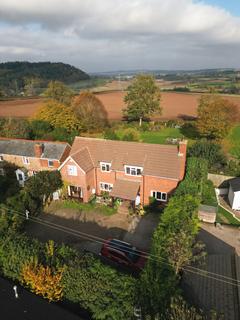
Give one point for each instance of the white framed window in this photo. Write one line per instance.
(72, 170)
(2, 172)
(105, 166)
(159, 196)
(133, 171)
(104, 186)
(25, 160)
(50, 163)
(1, 158)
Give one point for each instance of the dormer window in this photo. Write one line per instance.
(133, 171)
(105, 166)
(50, 163)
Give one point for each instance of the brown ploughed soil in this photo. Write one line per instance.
(175, 105)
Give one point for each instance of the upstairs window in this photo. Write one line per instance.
(133, 171)
(50, 163)
(25, 160)
(105, 166)
(72, 170)
(159, 196)
(106, 186)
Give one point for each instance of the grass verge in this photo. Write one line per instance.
(225, 217)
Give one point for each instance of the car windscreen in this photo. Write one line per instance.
(131, 252)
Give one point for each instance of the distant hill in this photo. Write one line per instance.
(15, 76)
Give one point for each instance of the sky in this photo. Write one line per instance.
(110, 35)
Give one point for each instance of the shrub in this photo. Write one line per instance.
(130, 134)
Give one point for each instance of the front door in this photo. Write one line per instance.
(75, 192)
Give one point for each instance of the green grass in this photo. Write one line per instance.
(160, 136)
(86, 207)
(208, 194)
(225, 217)
(233, 141)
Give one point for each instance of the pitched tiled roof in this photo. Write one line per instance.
(125, 189)
(235, 184)
(156, 160)
(83, 159)
(20, 147)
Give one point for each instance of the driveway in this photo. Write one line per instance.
(88, 230)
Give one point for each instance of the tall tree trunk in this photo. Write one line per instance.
(140, 121)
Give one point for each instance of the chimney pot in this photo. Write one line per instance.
(182, 148)
(38, 150)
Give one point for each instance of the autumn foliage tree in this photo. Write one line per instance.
(43, 281)
(59, 92)
(89, 111)
(58, 115)
(142, 99)
(216, 116)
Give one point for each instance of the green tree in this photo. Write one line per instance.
(90, 112)
(208, 150)
(59, 92)
(142, 99)
(39, 188)
(39, 128)
(216, 116)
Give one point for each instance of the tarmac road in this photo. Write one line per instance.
(29, 306)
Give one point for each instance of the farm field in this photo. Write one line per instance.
(19, 108)
(175, 105)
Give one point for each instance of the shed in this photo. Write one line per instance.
(207, 213)
(234, 193)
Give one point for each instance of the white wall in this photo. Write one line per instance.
(231, 196)
(236, 201)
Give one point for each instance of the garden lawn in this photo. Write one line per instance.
(86, 207)
(232, 141)
(160, 136)
(223, 216)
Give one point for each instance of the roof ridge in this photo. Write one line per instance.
(30, 140)
(127, 142)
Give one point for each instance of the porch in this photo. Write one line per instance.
(127, 192)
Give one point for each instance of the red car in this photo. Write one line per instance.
(123, 253)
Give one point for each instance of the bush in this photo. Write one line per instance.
(130, 134)
(106, 293)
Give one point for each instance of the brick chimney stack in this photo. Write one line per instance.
(38, 150)
(182, 148)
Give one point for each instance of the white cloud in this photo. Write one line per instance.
(115, 34)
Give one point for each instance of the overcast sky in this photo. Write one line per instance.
(104, 35)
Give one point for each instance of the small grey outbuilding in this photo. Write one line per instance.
(234, 193)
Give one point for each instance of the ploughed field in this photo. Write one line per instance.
(175, 105)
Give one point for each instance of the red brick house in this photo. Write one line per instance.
(32, 156)
(127, 170)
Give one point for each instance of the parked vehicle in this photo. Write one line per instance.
(123, 253)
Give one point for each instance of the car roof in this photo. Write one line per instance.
(120, 245)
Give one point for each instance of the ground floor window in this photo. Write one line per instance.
(158, 195)
(106, 186)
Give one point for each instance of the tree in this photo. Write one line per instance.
(59, 92)
(39, 188)
(142, 99)
(39, 128)
(90, 111)
(58, 115)
(208, 150)
(216, 116)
